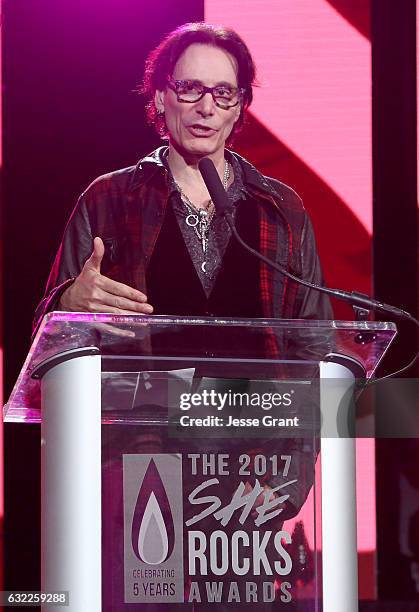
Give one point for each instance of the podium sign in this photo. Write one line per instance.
(181, 459)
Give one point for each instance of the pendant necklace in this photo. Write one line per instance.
(200, 218)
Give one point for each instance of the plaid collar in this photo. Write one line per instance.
(154, 163)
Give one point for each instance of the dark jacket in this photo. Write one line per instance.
(126, 209)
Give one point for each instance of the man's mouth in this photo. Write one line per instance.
(198, 129)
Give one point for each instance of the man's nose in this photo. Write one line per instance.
(206, 105)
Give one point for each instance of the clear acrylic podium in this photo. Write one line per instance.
(196, 463)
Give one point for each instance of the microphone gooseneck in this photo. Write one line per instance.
(224, 207)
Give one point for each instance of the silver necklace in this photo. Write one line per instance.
(200, 218)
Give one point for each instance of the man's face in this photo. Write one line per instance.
(200, 128)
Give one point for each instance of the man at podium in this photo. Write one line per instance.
(148, 240)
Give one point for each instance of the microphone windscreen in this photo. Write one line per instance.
(214, 185)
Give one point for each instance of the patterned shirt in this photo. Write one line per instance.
(218, 234)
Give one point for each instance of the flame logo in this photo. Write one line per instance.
(153, 534)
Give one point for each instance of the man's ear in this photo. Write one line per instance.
(159, 101)
(237, 109)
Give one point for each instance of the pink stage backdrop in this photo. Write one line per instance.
(1, 356)
(1, 332)
(310, 126)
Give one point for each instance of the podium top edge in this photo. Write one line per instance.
(105, 318)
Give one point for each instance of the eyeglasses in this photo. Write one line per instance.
(224, 96)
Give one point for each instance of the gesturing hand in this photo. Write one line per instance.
(94, 292)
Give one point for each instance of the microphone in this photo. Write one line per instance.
(359, 300)
(224, 207)
(215, 187)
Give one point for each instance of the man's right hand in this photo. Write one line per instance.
(93, 292)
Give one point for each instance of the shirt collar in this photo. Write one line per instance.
(154, 163)
(147, 167)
